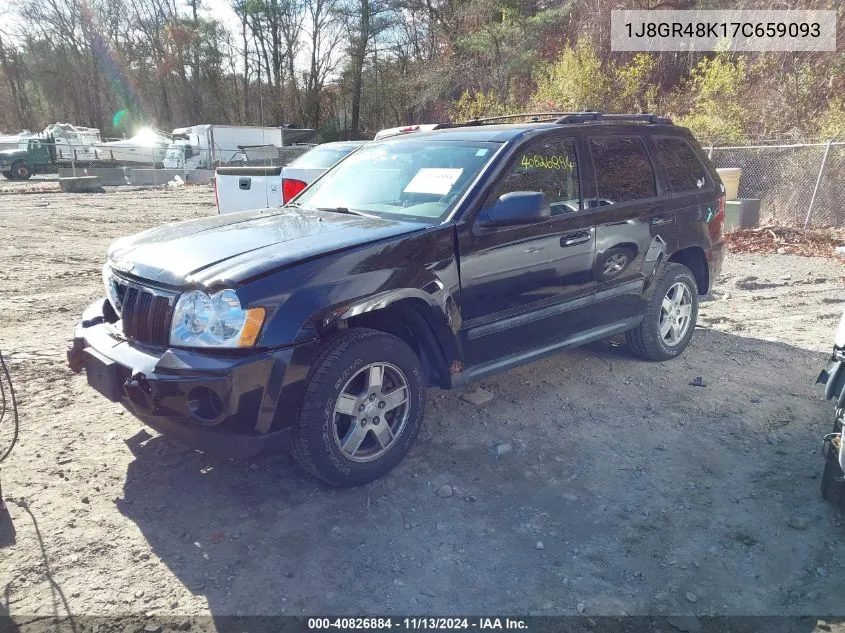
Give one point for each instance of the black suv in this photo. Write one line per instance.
(424, 260)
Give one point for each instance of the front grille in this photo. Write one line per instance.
(146, 314)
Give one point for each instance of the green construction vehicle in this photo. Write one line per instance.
(33, 156)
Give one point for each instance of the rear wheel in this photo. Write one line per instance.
(21, 171)
(670, 315)
(363, 406)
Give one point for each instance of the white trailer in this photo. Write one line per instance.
(208, 145)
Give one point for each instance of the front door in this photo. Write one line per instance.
(516, 280)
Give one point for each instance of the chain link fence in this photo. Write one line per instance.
(798, 184)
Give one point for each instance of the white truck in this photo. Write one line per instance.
(206, 146)
(245, 188)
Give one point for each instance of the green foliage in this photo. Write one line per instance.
(636, 88)
(717, 88)
(580, 80)
(576, 81)
(479, 104)
(832, 121)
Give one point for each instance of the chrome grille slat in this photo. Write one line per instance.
(160, 320)
(142, 316)
(146, 313)
(130, 313)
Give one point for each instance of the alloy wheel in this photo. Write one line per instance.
(371, 412)
(675, 312)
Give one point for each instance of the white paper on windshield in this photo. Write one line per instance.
(433, 180)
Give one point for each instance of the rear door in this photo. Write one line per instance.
(631, 216)
(690, 189)
(245, 188)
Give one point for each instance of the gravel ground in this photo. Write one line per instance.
(589, 483)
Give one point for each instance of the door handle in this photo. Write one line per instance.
(245, 183)
(570, 239)
(660, 219)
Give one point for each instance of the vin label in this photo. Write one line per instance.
(723, 30)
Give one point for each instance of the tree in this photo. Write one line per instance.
(717, 112)
(576, 81)
(10, 64)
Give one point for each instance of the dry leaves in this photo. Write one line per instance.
(785, 240)
(29, 187)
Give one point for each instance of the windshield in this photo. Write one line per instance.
(420, 179)
(322, 157)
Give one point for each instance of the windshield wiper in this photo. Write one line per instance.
(345, 210)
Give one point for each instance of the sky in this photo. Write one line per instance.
(222, 10)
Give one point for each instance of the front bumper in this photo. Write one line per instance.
(236, 406)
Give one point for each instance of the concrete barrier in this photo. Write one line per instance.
(116, 176)
(152, 177)
(201, 176)
(81, 184)
(109, 176)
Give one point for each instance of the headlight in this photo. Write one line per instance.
(200, 320)
(111, 288)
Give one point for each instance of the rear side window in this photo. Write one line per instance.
(549, 166)
(684, 170)
(623, 171)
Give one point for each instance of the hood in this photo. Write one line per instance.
(231, 248)
(11, 153)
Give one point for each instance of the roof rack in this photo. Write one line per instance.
(536, 116)
(567, 117)
(583, 117)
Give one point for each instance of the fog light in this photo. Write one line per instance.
(204, 404)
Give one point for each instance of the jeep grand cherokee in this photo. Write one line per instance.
(424, 260)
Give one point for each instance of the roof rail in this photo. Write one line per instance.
(522, 115)
(582, 117)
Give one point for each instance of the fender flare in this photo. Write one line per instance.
(443, 318)
(655, 259)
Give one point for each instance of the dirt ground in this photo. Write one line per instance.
(591, 483)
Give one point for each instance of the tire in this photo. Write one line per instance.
(351, 449)
(21, 171)
(833, 491)
(646, 340)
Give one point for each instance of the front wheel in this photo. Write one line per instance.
(363, 405)
(670, 315)
(21, 171)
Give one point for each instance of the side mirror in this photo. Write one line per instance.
(517, 207)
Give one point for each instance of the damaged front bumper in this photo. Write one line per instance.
(224, 404)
